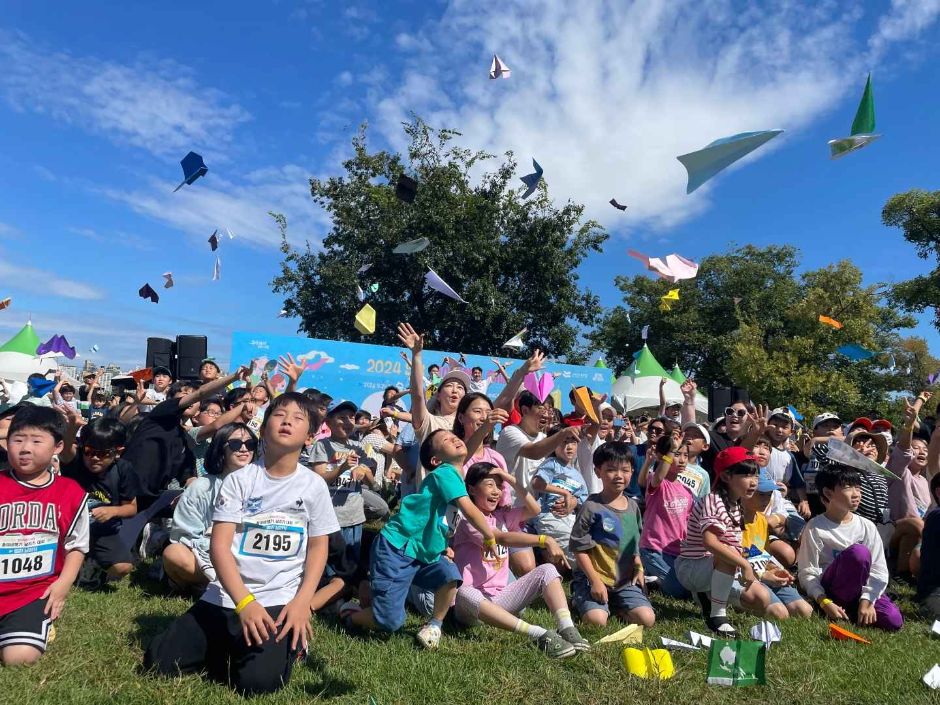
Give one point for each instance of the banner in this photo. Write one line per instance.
(361, 373)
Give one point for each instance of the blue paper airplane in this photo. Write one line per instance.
(720, 154)
(855, 352)
(532, 180)
(193, 168)
(796, 414)
(40, 387)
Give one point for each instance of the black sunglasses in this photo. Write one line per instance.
(731, 411)
(235, 444)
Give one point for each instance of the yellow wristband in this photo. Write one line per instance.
(667, 459)
(395, 414)
(542, 538)
(825, 601)
(489, 542)
(244, 602)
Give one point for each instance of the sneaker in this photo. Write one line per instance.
(722, 627)
(347, 610)
(429, 636)
(91, 576)
(573, 637)
(554, 646)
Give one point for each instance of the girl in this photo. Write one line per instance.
(710, 554)
(909, 496)
(186, 558)
(486, 594)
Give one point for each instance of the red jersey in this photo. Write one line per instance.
(39, 524)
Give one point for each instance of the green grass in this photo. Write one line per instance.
(97, 654)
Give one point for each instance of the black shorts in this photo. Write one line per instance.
(106, 548)
(27, 626)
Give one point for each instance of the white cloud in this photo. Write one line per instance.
(606, 94)
(906, 19)
(156, 105)
(20, 277)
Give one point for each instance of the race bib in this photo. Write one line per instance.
(25, 557)
(272, 535)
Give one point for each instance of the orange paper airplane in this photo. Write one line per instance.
(144, 375)
(830, 322)
(584, 397)
(837, 632)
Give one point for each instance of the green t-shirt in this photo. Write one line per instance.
(418, 529)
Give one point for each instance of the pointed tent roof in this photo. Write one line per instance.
(25, 342)
(645, 365)
(677, 374)
(600, 363)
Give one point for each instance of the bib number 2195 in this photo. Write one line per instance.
(273, 536)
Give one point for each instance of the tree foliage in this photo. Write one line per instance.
(917, 213)
(514, 261)
(750, 319)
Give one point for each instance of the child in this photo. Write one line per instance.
(605, 540)
(44, 534)
(410, 547)
(669, 502)
(841, 557)
(785, 521)
(697, 441)
(268, 546)
(909, 496)
(186, 559)
(486, 593)
(710, 554)
(561, 489)
(162, 379)
(928, 579)
(111, 484)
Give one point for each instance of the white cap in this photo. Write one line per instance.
(704, 431)
(825, 416)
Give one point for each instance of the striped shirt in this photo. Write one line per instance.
(711, 512)
(874, 504)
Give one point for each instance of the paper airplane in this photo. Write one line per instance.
(532, 180)
(516, 341)
(855, 352)
(56, 344)
(932, 677)
(540, 387)
(932, 378)
(582, 395)
(644, 332)
(365, 320)
(439, 285)
(231, 235)
(665, 302)
(613, 202)
(700, 639)
(767, 632)
(830, 322)
(646, 663)
(498, 69)
(720, 154)
(672, 267)
(863, 127)
(842, 634)
(630, 634)
(168, 276)
(674, 645)
(147, 292)
(283, 313)
(142, 375)
(214, 240)
(193, 168)
(217, 270)
(93, 348)
(360, 293)
(406, 189)
(412, 246)
(364, 268)
(844, 454)
(892, 363)
(5, 303)
(40, 387)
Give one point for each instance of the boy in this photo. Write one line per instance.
(786, 521)
(605, 540)
(825, 426)
(559, 487)
(162, 379)
(269, 542)
(841, 557)
(697, 441)
(111, 484)
(43, 535)
(410, 547)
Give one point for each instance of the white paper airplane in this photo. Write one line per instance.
(932, 677)
(516, 341)
(720, 154)
(700, 639)
(671, 268)
(412, 246)
(169, 280)
(498, 69)
(439, 285)
(674, 645)
(217, 270)
(767, 632)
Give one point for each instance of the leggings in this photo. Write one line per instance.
(513, 598)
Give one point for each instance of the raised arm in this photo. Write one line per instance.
(543, 448)
(291, 370)
(514, 385)
(688, 400)
(496, 416)
(415, 343)
(662, 396)
(216, 385)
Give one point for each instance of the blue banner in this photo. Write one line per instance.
(361, 373)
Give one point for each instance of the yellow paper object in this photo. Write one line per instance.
(648, 663)
(630, 634)
(365, 320)
(666, 301)
(583, 397)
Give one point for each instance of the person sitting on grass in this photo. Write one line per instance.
(410, 547)
(486, 594)
(269, 541)
(928, 570)
(44, 527)
(841, 557)
(186, 558)
(561, 491)
(605, 540)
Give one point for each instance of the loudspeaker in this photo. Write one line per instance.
(720, 398)
(190, 352)
(160, 353)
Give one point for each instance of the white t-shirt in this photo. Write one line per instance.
(479, 387)
(511, 440)
(151, 398)
(274, 517)
(585, 463)
(781, 465)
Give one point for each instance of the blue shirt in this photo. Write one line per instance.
(554, 472)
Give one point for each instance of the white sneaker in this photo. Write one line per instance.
(347, 610)
(429, 636)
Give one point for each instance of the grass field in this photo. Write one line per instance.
(96, 656)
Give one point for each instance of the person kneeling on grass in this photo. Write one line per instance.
(410, 547)
(841, 558)
(486, 594)
(268, 546)
(606, 543)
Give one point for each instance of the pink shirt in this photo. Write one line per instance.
(909, 496)
(488, 575)
(666, 517)
(491, 456)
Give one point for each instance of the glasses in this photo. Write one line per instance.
(97, 452)
(655, 431)
(731, 411)
(236, 444)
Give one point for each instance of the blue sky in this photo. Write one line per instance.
(98, 104)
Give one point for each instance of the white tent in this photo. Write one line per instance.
(18, 359)
(639, 387)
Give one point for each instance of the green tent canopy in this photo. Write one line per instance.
(645, 365)
(25, 342)
(676, 374)
(600, 363)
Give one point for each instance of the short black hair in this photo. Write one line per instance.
(44, 418)
(179, 385)
(66, 388)
(474, 369)
(478, 472)
(362, 414)
(834, 475)
(215, 457)
(427, 448)
(104, 433)
(233, 396)
(781, 416)
(616, 452)
(317, 398)
(527, 399)
(934, 485)
(218, 400)
(306, 406)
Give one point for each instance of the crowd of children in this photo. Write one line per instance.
(269, 509)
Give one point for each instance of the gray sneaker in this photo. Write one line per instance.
(554, 646)
(573, 637)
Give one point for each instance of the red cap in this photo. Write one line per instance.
(882, 425)
(864, 422)
(731, 456)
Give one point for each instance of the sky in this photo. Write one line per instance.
(99, 103)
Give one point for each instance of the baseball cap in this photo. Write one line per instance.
(783, 411)
(881, 425)
(731, 456)
(765, 482)
(863, 422)
(825, 416)
(341, 405)
(456, 375)
(160, 370)
(701, 429)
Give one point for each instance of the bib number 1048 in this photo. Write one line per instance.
(23, 557)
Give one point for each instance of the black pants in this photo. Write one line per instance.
(209, 638)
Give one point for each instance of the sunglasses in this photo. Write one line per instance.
(98, 452)
(731, 411)
(655, 430)
(236, 444)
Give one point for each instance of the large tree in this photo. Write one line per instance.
(748, 318)
(917, 213)
(514, 261)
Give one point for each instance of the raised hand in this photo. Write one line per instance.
(535, 363)
(290, 368)
(410, 338)
(688, 389)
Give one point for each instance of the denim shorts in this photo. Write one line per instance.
(621, 599)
